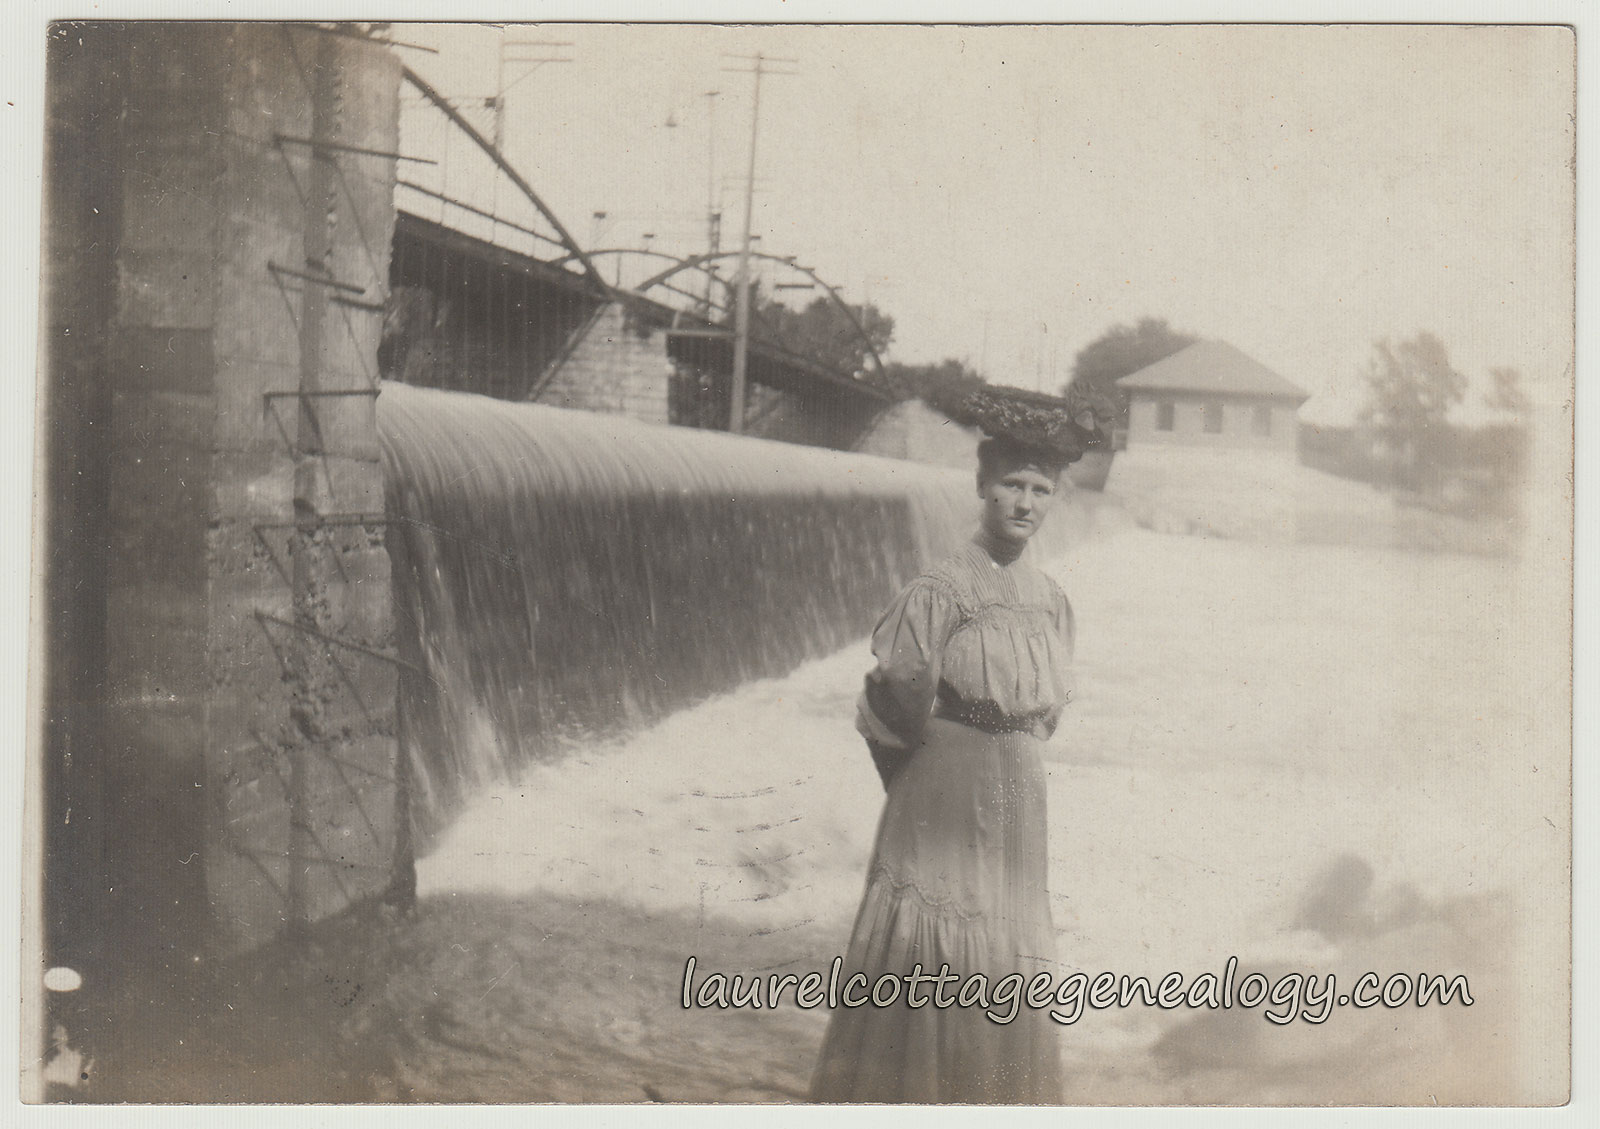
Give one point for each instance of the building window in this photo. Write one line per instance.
(1164, 415)
(1261, 421)
(1213, 417)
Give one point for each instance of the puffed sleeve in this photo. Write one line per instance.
(909, 645)
(1065, 626)
(1066, 623)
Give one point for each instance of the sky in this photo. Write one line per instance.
(1008, 194)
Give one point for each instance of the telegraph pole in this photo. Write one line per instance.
(713, 213)
(741, 321)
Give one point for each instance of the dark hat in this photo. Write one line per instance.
(1024, 426)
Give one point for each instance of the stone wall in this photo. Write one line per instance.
(619, 366)
(246, 721)
(821, 419)
(914, 431)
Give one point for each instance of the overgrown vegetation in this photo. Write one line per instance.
(1405, 440)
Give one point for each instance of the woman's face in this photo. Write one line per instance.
(1015, 502)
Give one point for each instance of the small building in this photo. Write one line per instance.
(1212, 395)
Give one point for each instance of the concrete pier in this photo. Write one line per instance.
(220, 748)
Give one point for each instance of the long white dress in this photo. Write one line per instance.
(973, 671)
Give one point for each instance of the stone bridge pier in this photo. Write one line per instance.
(218, 752)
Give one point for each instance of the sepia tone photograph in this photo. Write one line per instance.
(605, 563)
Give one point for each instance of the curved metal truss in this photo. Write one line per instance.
(706, 265)
(561, 239)
(476, 201)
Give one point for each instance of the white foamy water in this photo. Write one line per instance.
(1308, 757)
(758, 804)
(1247, 715)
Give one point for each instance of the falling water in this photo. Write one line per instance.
(562, 574)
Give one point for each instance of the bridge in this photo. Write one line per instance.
(489, 292)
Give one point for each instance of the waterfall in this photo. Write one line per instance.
(562, 574)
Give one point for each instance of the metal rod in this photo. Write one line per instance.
(506, 167)
(268, 397)
(488, 215)
(696, 298)
(325, 392)
(320, 279)
(356, 303)
(343, 148)
(365, 37)
(700, 261)
(255, 531)
(325, 520)
(721, 334)
(267, 617)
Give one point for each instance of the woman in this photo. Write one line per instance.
(971, 678)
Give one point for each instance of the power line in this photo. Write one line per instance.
(508, 48)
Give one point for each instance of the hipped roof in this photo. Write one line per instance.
(1212, 367)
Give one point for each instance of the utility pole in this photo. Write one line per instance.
(713, 213)
(741, 322)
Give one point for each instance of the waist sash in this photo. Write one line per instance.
(988, 717)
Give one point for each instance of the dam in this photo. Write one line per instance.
(357, 500)
(562, 574)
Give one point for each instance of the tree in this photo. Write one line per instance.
(821, 331)
(1508, 395)
(1411, 387)
(1120, 351)
(1500, 448)
(928, 381)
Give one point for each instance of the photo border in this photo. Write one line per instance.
(21, 56)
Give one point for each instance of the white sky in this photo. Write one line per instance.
(1008, 194)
